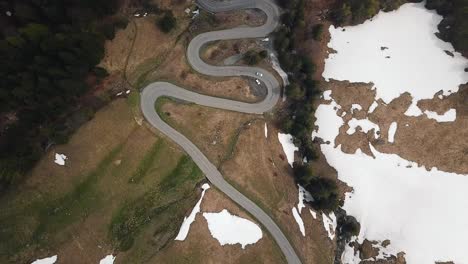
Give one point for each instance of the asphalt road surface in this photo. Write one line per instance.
(159, 89)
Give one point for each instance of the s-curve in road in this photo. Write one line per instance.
(152, 92)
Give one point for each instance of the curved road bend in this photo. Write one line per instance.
(159, 89)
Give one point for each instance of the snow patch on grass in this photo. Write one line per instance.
(391, 132)
(327, 95)
(230, 229)
(373, 107)
(413, 109)
(60, 159)
(355, 107)
(49, 260)
(266, 130)
(448, 116)
(303, 196)
(288, 147)
(185, 227)
(364, 124)
(109, 259)
(299, 221)
(313, 213)
(329, 223)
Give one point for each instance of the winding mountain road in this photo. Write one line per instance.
(153, 91)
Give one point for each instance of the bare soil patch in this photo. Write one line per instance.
(216, 52)
(207, 21)
(259, 168)
(214, 131)
(175, 69)
(419, 139)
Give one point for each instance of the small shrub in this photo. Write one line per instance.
(168, 22)
(251, 57)
(348, 227)
(263, 54)
(317, 32)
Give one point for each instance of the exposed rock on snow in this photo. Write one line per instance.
(288, 147)
(60, 159)
(49, 260)
(448, 116)
(230, 229)
(185, 227)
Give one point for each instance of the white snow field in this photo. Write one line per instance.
(230, 229)
(398, 52)
(288, 146)
(109, 259)
(49, 260)
(421, 212)
(185, 227)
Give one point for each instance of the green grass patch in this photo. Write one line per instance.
(40, 221)
(158, 107)
(145, 69)
(146, 162)
(163, 207)
(133, 100)
(79, 203)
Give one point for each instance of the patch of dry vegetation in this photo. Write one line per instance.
(70, 210)
(201, 247)
(255, 161)
(419, 139)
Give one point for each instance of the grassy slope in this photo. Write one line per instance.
(145, 195)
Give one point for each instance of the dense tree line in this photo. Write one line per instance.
(454, 26)
(323, 190)
(302, 87)
(353, 12)
(301, 91)
(48, 49)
